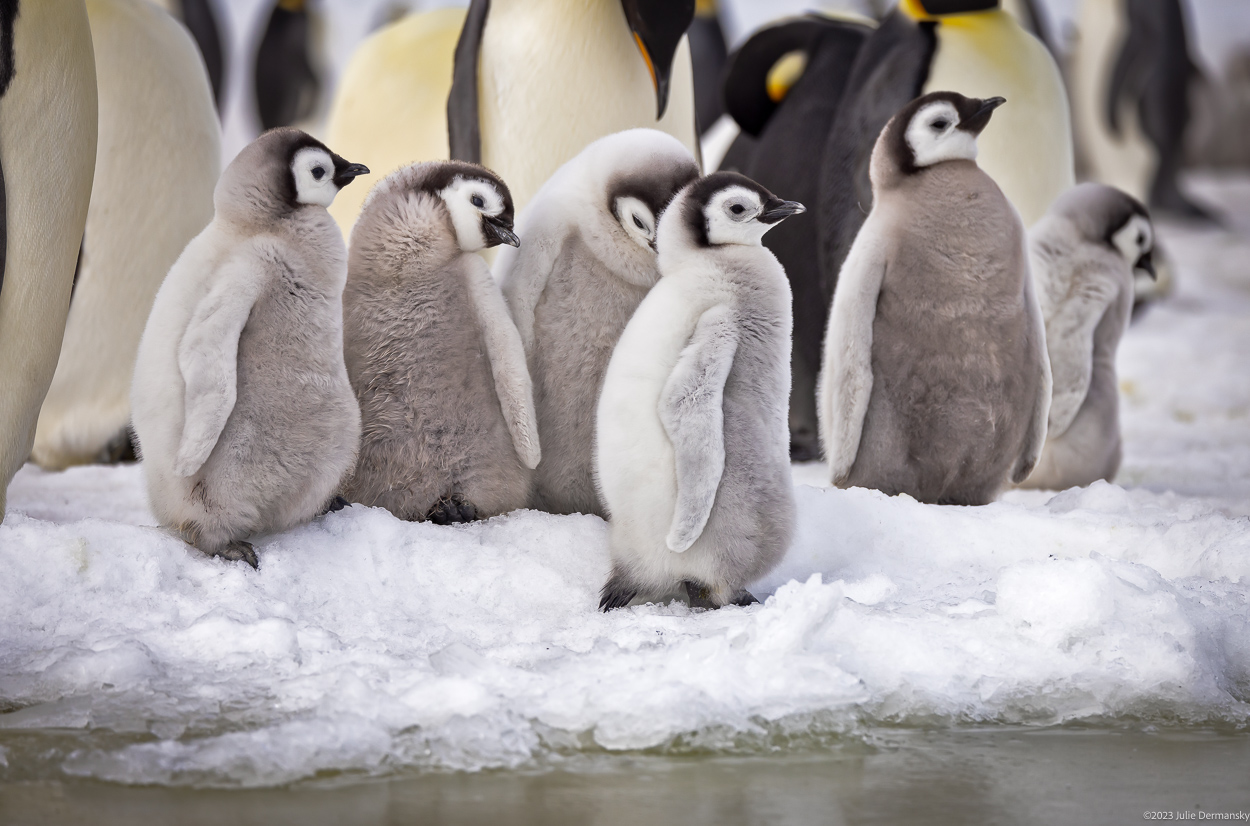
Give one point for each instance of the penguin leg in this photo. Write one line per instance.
(617, 592)
(335, 504)
(743, 597)
(120, 448)
(450, 509)
(700, 595)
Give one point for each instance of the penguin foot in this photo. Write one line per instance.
(700, 595)
(617, 592)
(336, 504)
(451, 509)
(120, 448)
(236, 551)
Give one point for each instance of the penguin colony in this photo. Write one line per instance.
(632, 355)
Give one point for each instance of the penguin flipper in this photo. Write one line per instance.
(464, 133)
(692, 412)
(522, 274)
(845, 384)
(745, 88)
(208, 361)
(513, 385)
(1070, 344)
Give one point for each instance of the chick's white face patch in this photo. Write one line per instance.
(468, 199)
(313, 170)
(731, 217)
(637, 220)
(1134, 239)
(933, 135)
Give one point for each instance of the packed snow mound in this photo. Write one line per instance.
(365, 643)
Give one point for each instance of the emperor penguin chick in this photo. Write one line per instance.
(1085, 253)
(242, 407)
(449, 428)
(935, 380)
(588, 259)
(692, 447)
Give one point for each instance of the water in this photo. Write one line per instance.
(991, 776)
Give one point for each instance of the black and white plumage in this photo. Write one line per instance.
(587, 260)
(1084, 255)
(245, 417)
(449, 426)
(691, 455)
(935, 381)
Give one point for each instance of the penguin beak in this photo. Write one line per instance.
(776, 210)
(498, 231)
(1147, 263)
(344, 175)
(658, 26)
(975, 122)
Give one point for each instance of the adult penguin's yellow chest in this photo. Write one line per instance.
(1028, 149)
(558, 74)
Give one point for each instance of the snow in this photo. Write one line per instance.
(367, 646)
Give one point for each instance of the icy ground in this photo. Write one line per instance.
(368, 645)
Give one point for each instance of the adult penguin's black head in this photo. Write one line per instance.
(925, 9)
(658, 26)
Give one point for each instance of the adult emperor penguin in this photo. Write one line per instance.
(936, 381)
(783, 87)
(287, 84)
(159, 155)
(200, 19)
(691, 453)
(969, 46)
(449, 428)
(1084, 255)
(244, 413)
(587, 261)
(47, 157)
(1131, 76)
(533, 82)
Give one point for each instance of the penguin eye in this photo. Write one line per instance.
(477, 201)
(737, 209)
(1141, 239)
(638, 223)
(940, 124)
(318, 173)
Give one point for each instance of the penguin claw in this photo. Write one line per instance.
(451, 509)
(238, 551)
(743, 598)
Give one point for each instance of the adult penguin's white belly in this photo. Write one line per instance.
(1126, 161)
(158, 160)
(1028, 153)
(554, 75)
(558, 74)
(47, 149)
